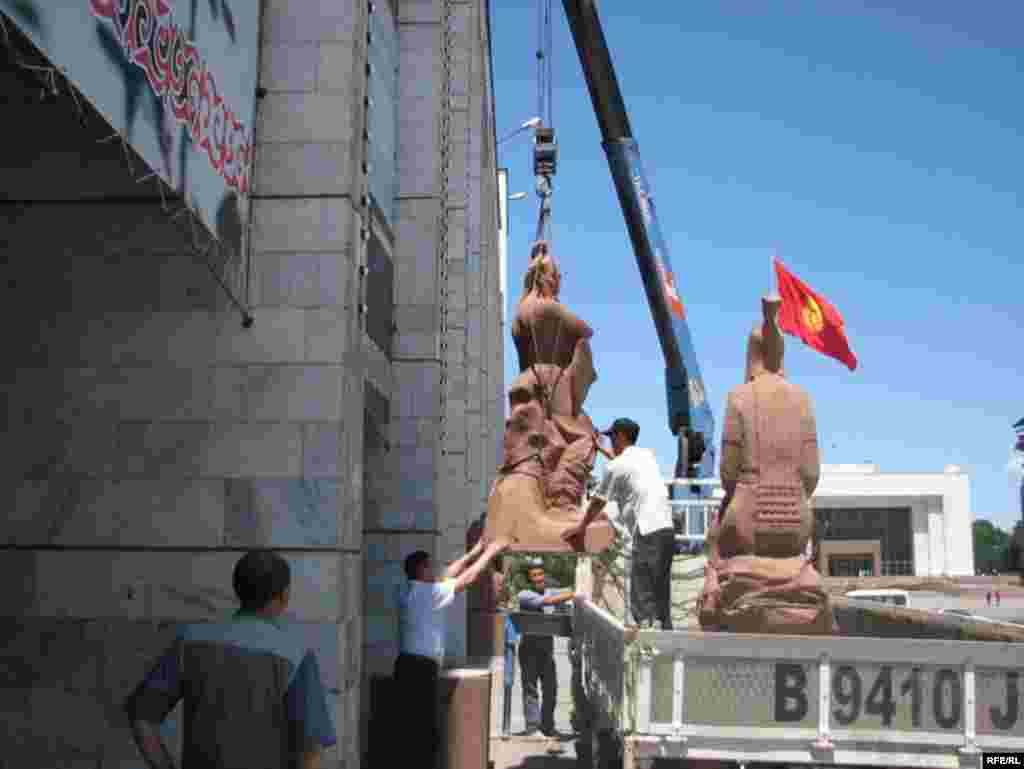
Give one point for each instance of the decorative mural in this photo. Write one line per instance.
(177, 80)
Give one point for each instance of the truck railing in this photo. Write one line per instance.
(602, 644)
(799, 699)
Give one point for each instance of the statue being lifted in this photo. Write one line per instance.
(758, 579)
(550, 443)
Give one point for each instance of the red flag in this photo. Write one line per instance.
(808, 315)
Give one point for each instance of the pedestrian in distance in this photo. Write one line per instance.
(999, 598)
(633, 480)
(251, 688)
(422, 602)
(988, 598)
(537, 652)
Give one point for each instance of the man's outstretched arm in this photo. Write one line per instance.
(574, 534)
(472, 573)
(556, 598)
(457, 567)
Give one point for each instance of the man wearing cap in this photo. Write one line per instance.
(633, 481)
(537, 652)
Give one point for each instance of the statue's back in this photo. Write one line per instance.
(771, 463)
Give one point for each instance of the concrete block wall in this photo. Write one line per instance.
(151, 439)
(472, 288)
(446, 288)
(307, 251)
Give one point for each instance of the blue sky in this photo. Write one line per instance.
(877, 152)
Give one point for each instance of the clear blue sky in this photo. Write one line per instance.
(878, 152)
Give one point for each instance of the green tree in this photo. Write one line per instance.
(559, 568)
(990, 544)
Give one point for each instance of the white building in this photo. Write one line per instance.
(913, 524)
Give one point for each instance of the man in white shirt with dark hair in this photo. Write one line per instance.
(422, 602)
(633, 481)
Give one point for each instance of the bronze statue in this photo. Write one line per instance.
(550, 442)
(757, 579)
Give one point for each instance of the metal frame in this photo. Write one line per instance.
(645, 739)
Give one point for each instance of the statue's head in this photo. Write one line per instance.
(542, 276)
(765, 348)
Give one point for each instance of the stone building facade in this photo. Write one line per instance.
(889, 524)
(151, 438)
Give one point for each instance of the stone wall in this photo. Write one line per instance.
(152, 439)
(447, 347)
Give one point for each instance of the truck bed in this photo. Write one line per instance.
(863, 701)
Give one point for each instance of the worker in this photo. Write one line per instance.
(634, 482)
(422, 601)
(537, 652)
(227, 674)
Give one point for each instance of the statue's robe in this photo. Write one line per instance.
(757, 579)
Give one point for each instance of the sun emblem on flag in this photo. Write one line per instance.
(813, 318)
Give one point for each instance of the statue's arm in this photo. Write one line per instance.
(810, 462)
(575, 324)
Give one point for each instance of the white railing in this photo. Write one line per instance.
(696, 515)
(601, 641)
(884, 702)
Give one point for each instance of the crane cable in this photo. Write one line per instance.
(544, 63)
(545, 150)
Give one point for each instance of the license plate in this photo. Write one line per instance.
(999, 702)
(863, 696)
(724, 692)
(899, 697)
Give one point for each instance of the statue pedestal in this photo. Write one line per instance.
(598, 537)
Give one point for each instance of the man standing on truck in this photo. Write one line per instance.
(633, 481)
(537, 652)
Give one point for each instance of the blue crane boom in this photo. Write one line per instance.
(689, 414)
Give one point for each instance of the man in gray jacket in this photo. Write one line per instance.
(537, 652)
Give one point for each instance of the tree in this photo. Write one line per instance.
(559, 568)
(990, 546)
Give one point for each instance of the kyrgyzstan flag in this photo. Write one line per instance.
(808, 315)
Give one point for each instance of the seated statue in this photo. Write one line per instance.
(758, 579)
(550, 443)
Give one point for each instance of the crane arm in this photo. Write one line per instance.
(689, 415)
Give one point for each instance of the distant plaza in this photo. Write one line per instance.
(874, 523)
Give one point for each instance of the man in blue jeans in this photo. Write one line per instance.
(537, 652)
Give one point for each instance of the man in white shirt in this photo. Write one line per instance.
(633, 481)
(422, 602)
